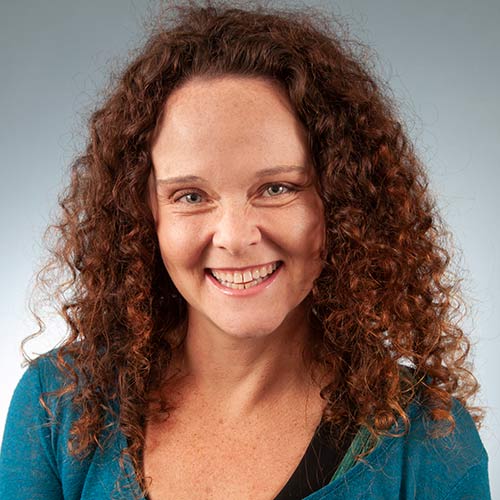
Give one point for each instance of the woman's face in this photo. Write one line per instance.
(233, 197)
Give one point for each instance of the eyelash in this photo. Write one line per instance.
(290, 189)
(185, 193)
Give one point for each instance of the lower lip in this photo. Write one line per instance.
(246, 292)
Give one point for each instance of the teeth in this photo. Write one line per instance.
(241, 281)
(254, 283)
(239, 286)
(247, 277)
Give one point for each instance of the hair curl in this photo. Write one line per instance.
(385, 297)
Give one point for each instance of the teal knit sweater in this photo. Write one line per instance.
(35, 463)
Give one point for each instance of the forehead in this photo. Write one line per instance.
(229, 119)
(215, 95)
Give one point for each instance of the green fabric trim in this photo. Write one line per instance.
(361, 443)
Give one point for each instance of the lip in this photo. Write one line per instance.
(248, 292)
(240, 269)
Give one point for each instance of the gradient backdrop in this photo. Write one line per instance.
(440, 57)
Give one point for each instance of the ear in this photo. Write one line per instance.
(152, 199)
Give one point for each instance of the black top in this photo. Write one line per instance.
(318, 465)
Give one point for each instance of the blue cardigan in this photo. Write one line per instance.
(35, 463)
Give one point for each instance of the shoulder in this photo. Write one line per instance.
(42, 376)
(433, 460)
(458, 448)
(463, 435)
(52, 372)
(31, 446)
(40, 402)
(37, 435)
(44, 372)
(423, 463)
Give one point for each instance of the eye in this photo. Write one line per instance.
(190, 197)
(277, 189)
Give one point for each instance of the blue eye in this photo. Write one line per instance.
(277, 189)
(192, 198)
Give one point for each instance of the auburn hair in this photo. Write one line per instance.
(385, 298)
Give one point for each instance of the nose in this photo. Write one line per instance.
(236, 229)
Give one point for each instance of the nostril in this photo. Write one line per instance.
(236, 235)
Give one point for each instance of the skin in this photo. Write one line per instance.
(240, 353)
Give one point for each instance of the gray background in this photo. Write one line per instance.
(440, 57)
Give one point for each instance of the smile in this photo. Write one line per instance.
(247, 279)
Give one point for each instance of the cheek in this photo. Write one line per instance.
(306, 230)
(308, 240)
(180, 244)
(312, 235)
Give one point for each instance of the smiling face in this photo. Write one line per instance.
(239, 222)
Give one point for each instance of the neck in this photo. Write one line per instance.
(239, 376)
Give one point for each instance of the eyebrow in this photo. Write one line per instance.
(266, 172)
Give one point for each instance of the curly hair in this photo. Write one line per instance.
(385, 297)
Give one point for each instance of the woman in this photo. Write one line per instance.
(257, 288)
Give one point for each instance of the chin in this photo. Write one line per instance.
(248, 332)
(242, 329)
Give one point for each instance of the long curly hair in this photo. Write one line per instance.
(385, 298)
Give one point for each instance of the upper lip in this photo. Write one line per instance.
(241, 269)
